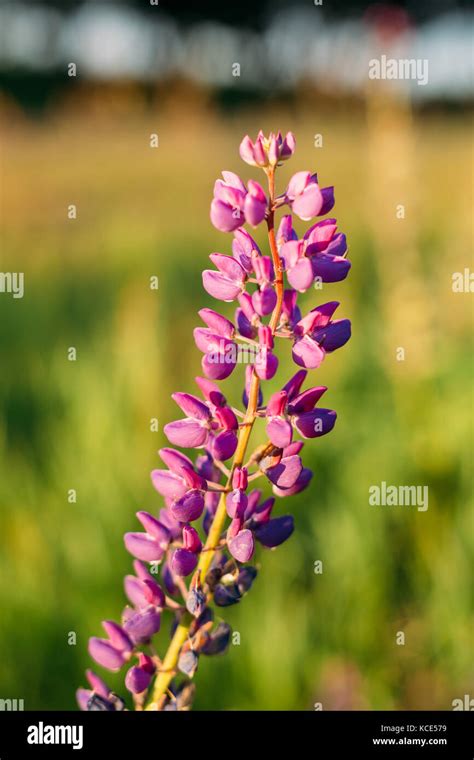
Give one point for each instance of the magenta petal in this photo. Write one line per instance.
(225, 217)
(236, 503)
(277, 404)
(307, 353)
(142, 625)
(297, 184)
(170, 522)
(279, 432)
(266, 364)
(105, 654)
(328, 199)
(291, 252)
(306, 400)
(144, 547)
(168, 483)
(218, 366)
(135, 591)
(246, 151)
(154, 528)
(242, 545)
(210, 391)
(191, 540)
(309, 203)
(301, 276)
(229, 266)
(315, 423)
(321, 233)
(174, 459)
(118, 637)
(190, 507)
(275, 531)
(302, 483)
(253, 499)
(338, 245)
(223, 445)
(330, 268)
(215, 321)
(254, 210)
(97, 684)
(294, 383)
(244, 327)
(220, 286)
(137, 680)
(192, 406)
(294, 448)
(154, 593)
(187, 433)
(264, 300)
(286, 472)
(233, 180)
(183, 562)
(285, 231)
(334, 335)
(262, 514)
(318, 317)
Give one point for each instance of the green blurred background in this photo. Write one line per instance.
(85, 425)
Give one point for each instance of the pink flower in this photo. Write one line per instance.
(233, 204)
(267, 151)
(306, 198)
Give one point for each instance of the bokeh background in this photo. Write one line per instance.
(141, 212)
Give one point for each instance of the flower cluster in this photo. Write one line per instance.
(202, 540)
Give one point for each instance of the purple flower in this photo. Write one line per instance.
(316, 335)
(227, 283)
(212, 518)
(275, 531)
(286, 472)
(183, 562)
(233, 204)
(266, 363)
(267, 151)
(245, 249)
(228, 204)
(326, 251)
(220, 353)
(264, 298)
(242, 545)
(304, 196)
(279, 428)
(142, 625)
(111, 653)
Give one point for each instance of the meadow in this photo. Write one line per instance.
(305, 637)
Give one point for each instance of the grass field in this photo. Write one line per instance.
(85, 425)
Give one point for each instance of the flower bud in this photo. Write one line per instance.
(188, 662)
(225, 596)
(105, 654)
(191, 540)
(137, 680)
(142, 625)
(242, 545)
(183, 562)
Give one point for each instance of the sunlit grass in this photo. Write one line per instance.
(86, 425)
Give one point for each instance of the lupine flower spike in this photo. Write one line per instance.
(196, 554)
